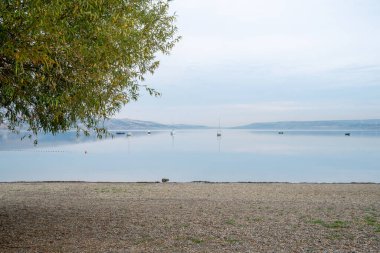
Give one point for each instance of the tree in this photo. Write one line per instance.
(73, 64)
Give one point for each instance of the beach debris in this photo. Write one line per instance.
(164, 180)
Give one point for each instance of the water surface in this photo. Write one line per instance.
(192, 155)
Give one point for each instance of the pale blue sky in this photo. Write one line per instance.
(254, 61)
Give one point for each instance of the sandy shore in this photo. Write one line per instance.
(189, 217)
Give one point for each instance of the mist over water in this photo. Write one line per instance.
(192, 155)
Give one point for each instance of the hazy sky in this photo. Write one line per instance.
(249, 61)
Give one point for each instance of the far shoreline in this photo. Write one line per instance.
(179, 182)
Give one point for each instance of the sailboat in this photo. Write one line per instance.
(219, 132)
(172, 132)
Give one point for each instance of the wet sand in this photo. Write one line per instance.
(189, 217)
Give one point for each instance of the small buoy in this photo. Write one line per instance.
(85, 152)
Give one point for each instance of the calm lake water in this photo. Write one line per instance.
(192, 155)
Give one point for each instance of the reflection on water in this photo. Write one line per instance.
(219, 138)
(238, 155)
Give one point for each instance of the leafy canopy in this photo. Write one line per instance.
(66, 64)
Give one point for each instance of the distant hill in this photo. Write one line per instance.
(370, 124)
(129, 124)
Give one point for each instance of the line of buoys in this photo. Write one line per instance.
(37, 151)
(47, 151)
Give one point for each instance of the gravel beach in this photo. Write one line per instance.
(189, 217)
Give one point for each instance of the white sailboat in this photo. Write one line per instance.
(172, 132)
(219, 132)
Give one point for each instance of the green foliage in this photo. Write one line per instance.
(370, 220)
(196, 240)
(231, 222)
(231, 240)
(73, 64)
(334, 224)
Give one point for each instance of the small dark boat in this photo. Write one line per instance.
(280, 132)
(149, 132)
(120, 132)
(347, 134)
